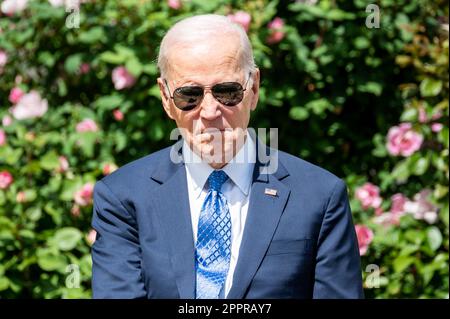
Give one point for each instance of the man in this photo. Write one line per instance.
(210, 219)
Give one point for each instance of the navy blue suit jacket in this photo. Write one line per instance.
(300, 243)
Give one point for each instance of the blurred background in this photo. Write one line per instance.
(358, 87)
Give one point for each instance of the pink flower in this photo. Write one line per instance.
(63, 164)
(83, 196)
(86, 125)
(122, 78)
(365, 237)
(423, 118)
(422, 208)
(369, 196)
(6, 120)
(398, 203)
(6, 179)
(84, 68)
(276, 31)
(75, 211)
(118, 115)
(2, 137)
(108, 168)
(3, 58)
(91, 236)
(174, 4)
(402, 140)
(242, 18)
(437, 127)
(10, 7)
(29, 106)
(15, 95)
(21, 197)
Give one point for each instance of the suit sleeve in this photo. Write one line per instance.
(338, 266)
(116, 256)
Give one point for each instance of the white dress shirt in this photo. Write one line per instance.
(236, 190)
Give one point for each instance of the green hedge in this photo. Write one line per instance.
(332, 86)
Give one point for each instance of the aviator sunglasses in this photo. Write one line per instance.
(228, 93)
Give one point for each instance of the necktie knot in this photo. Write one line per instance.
(216, 180)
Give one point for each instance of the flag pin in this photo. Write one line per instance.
(270, 191)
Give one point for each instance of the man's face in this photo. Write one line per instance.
(214, 131)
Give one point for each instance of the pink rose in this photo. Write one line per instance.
(108, 168)
(6, 179)
(3, 60)
(276, 30)
(29, 106)
(242, 18)
(402, 140)
(83, 196)
(84, 68)
(2, 137)
(369, 196)
(398, 203)
(63, 164)
(118, 115)
(6, 120)
(21, 197)
(122, 78)
(365, 237)
(437, 127)
(75, 211)
(15, 95)
(91, 237)
(174, 4)
(86, 125)
(421, 208)
(423, 118)
(10, 7)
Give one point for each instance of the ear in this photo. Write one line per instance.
(165, 98)
(255, 89)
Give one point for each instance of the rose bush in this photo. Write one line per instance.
(78, 98)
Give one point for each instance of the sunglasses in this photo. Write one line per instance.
(187, 98)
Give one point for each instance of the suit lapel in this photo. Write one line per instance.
(172, 206)
(263, 215)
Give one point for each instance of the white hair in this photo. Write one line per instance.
(200, 27)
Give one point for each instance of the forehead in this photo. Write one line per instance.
(206, 60)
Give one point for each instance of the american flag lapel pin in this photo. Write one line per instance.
(270, 191)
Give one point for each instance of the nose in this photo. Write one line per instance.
(210, 109)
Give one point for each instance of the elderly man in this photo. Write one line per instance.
(205, 220)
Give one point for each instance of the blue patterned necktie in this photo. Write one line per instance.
(213, 247)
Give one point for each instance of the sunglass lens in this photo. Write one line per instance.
(187, 97)
(229, 93)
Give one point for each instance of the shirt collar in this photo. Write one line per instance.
(239, 169)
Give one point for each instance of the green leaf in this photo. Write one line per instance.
(409, 115)
(4, 283)
(430, 87)
(402, 262)
(401, 171)
(67, 238)
(95, 34)
(298, 113)
(49, 261)
(371, 87)
(72, 63)
(434, 237)
(134, 67)
(319, 106)
(112, 57)
(421, 165)
(49, 161)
